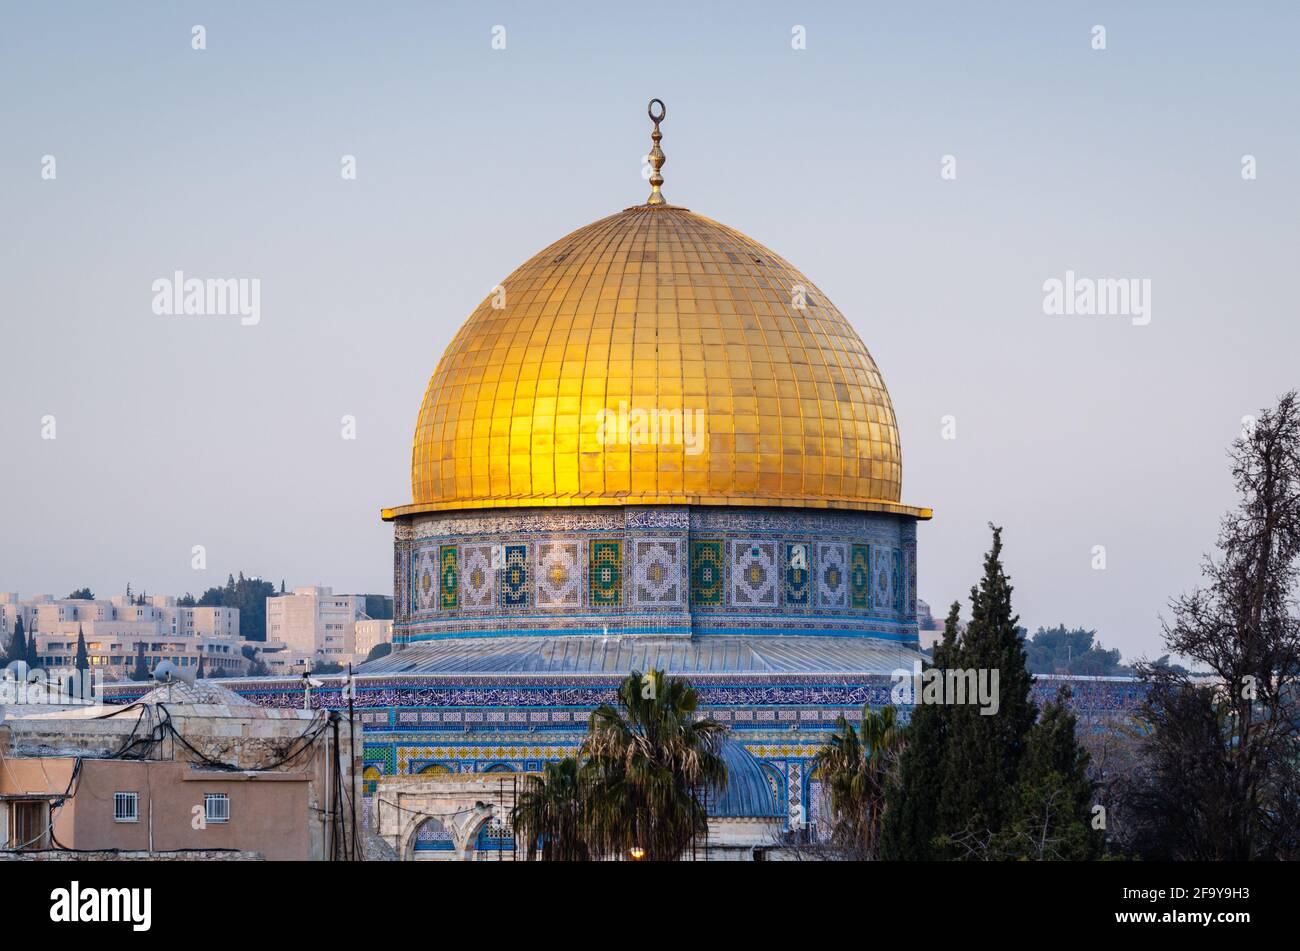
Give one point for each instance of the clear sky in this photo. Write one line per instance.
(225, 162)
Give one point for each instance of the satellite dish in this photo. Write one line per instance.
(167, 671)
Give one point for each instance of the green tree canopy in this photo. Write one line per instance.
(17, 649)
(911, 819)
(1050, 808)
(1062, 650)
(550, 817)
(856, 766)
(83, 659)
(650, 761)
(983, 753)
(141, 671)
(249, 596)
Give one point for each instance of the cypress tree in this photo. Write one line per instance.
(912, 802)
(1051, 806)
(141, 665)
(33, 659)
(17, 644)
(983, 754)
(83, 659)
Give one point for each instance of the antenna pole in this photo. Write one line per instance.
(352, 758)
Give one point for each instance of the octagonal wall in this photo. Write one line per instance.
(655, 570)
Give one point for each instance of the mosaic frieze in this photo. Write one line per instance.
(584, 571)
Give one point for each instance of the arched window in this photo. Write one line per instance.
(432, 836)
(495, 835)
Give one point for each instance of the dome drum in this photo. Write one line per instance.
(663, 571)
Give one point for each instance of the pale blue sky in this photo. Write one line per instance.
(1071, 432)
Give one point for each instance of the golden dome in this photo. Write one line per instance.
(656, 357)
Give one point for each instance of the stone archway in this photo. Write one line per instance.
(462, 803)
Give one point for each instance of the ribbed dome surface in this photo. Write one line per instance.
(656, 357)
(747, 793)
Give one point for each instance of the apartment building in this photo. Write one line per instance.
(315, 620)
(114, 628)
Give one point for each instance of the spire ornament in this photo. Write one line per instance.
(656, 156)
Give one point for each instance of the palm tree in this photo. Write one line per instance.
(548, 817)
(856, 767)
(647, 766)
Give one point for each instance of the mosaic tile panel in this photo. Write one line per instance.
(812, 572)
(657, 573)
(559, 575)
(753, 574)
(478, 580)
(706, 572)
(514, 577)
(794, 785)
(832, 575)
(605, 573)
(796, 577)
(860, 577)
(896, 581)
(911, 583)
(448, 578)
(401, 583)
(880, 569)
(426, 580)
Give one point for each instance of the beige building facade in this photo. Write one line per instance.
(370, 634)
(114, 628)
(316, 621)
(288, 772)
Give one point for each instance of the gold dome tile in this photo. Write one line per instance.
(656, 309)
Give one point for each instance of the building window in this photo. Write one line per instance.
(216, 807)
(126, 807)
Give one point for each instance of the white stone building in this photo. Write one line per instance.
(371, 632)
(315, 620)
(114, 628)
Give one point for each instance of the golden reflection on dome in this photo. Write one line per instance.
(543, 396)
